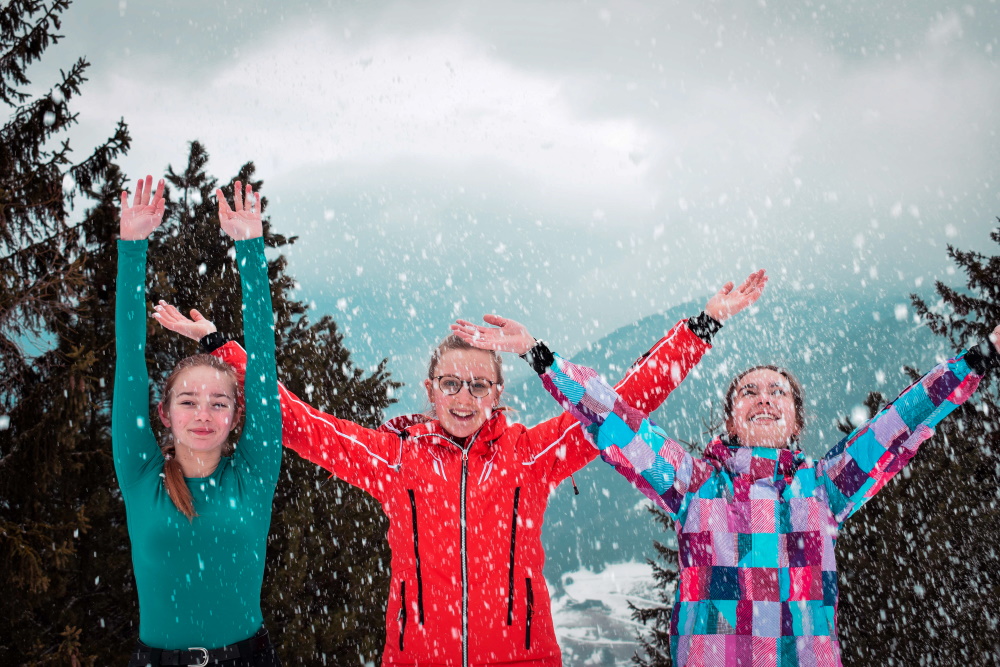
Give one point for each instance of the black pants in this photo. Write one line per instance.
(264, 658)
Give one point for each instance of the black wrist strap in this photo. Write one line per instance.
(212, 342)
(983, 358)
(704, 326)
(539, 357)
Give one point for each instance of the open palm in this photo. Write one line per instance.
(146, 212)
(243, 220)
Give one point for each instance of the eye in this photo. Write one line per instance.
(779, 392)
(748, 391)
(223, 406)
(450, 384)
(480, 386)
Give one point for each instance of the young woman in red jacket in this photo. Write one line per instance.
(465, 490)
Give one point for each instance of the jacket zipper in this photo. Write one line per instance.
(465, 566)
(530, 612)
(402, 613)
(416, 555)
(510, 576)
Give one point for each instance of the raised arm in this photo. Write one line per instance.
(134, 446)
(363, 457)
(641, 451)
(655, 374)
(861, 464)
(260, 442)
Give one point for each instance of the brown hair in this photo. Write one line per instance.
(173, 474)
(798, 396)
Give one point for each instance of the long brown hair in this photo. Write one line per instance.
(798, 396)
(173, 474)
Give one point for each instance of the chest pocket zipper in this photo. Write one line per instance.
(513, 544)
(528, 614)
(416, 556)
(402, 613)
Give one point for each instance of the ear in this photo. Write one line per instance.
(496, 402)
(164, 417)
(429, 386)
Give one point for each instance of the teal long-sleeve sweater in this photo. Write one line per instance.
(199, 581)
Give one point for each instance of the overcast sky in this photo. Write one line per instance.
(575, 165)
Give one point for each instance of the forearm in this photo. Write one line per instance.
(655, 375)
(624, 436)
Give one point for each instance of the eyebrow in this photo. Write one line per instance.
(753, 385)
(194, 393)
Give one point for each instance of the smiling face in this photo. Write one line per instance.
(763, 410)
(462, 414)
(200, 408)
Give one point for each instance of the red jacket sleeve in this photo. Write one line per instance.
(360, 456)
(558, 446)
(657, 373)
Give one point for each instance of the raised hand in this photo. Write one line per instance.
(504, 336)
(727, 301)
(139, 220)
(242, 221)
(196, 327)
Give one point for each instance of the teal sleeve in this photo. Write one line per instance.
(260, 443)
(133, 444)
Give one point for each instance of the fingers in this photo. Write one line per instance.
(124, 199)
(196, 316)
(495, 320)
(160, 186)
(237, 197)
(224, 211)
(256, 201)
(727, 288)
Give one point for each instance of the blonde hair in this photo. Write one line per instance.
(173, 474)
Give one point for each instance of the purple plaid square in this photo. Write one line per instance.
(851, 478)
(887, 427)
(940, 385)
(804, 548)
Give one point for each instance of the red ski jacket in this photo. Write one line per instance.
(465, 520)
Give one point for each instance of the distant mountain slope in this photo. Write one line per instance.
(840, 347)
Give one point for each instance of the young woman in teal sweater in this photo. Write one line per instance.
(198, 507)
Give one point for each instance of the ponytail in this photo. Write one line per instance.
(173, 480)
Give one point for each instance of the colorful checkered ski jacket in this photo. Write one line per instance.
(757, 526)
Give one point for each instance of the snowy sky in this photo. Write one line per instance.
(574, 165)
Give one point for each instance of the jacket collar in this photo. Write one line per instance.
(430, 431)
(755, 462)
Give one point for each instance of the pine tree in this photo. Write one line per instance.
(50, 458)
(920, 569)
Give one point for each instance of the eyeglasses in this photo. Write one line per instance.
(451, 385)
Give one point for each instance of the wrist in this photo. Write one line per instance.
(539, 357)
(704, 326)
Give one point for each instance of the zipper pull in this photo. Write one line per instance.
(465, 454)
(576, 490)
